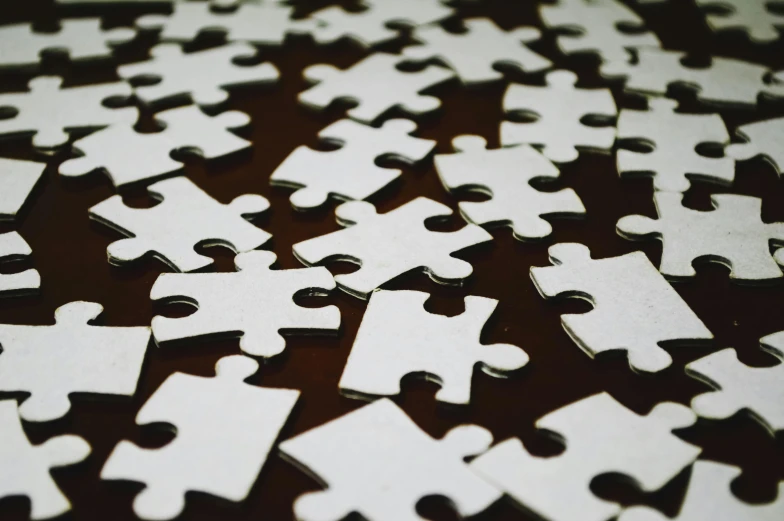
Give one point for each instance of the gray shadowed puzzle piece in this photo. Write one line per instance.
(754, 17)
(12, 248)
(762, 138)
(17, 180)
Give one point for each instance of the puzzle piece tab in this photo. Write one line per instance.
(17, 180)
(763, 138)
(13, 247)
(753, 17)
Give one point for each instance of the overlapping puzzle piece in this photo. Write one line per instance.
(12, 248)
(17, 180)
(756, 18)
(763, 138)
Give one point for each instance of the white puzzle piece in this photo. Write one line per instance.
(709, 497)
(398, 337)
(673, 138)
(763, 138)
(732, 234)
(186, 217)
(601, 437)
(24, 468)
(473, 54)
(46, 111)
(754, 17)
(17, 180)
(634, 308)
(202, 75)
(12, 248)
(127, 156)
(225, 430)
(378, 463)
(505, 175)
(391, 244)
(71, 356)
(559, 108)
(349, 173)
(376, 85)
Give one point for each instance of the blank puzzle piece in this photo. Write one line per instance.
(596, 24)
(738, 387)
(754, 17)
(256, 302)
(505, 175)
(349, 173)
(635, 309)
(17, 180)
(225, 430)
(202, 75)
(72, 356)
(379, 464)
(732, 234)
(127, 156)
(46, 111)
(763, 138)
(26, 467)
(376, 85)
(601, 436)
(559, 108)
(473, 54)
(674, 138)
(709, 496)
(12, 248)
(391, 244)
(399, 337)
(186, 217)
(81, 39)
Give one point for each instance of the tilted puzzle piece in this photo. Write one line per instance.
(559, 107)
(732, 234)
(127, 156)
(24, 468)
(17, 180)
(391, 244)
(505, 175)
(376, 85)
(601, 436)
(186, 217)
(635, 309)
(225, 430)
(754, 17)
(202, 75)
(13, 247)
(763, 138)
(349, 173)
(473, 54)
(379, 464)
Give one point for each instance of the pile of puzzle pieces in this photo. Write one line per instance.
(375, 461)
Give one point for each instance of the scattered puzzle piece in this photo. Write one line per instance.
(225, 430)
(505, 175)
(763, 138)
(349, 173)
(17, 180)
(13, 247)
(754, 17)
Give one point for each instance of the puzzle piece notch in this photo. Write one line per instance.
(732, 234)
(559, 107)
(601, 437)
(349, 173)
(634, 308)
(376, 85)
(753, 17)
(505, 175)
(225, 431)
(17, 180)
(47, 111)
(391, 244)
(26, 467)
(674, 137)
(472, 55)
(763, 138)
(202, 75)
(186, 217)
(379, 464)
(14, 247)
(127, 156)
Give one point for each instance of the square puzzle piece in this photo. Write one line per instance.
(12, 248)
(17, 180)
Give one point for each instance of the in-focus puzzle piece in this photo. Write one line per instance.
(473, 54)
(674, 138)
(379, 464)
(756, 18)
(505, 175)
(376, 85)
(17, 180)
(72, 356)
(391, 244)
(12, 248)
(127, 156)
(559, 108)
(225, 430)
(186, 217)
(732, 234)
(635, 309)
(601, 436)
(763, 138)
(349, 173)
(46, 111)
(201, 75)
(398, 337)
(24, 468)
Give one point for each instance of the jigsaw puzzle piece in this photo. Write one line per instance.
(17, 180)
(13, 247)
(763, 138)
(753, 17)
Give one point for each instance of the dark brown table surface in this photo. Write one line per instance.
(70, 252)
